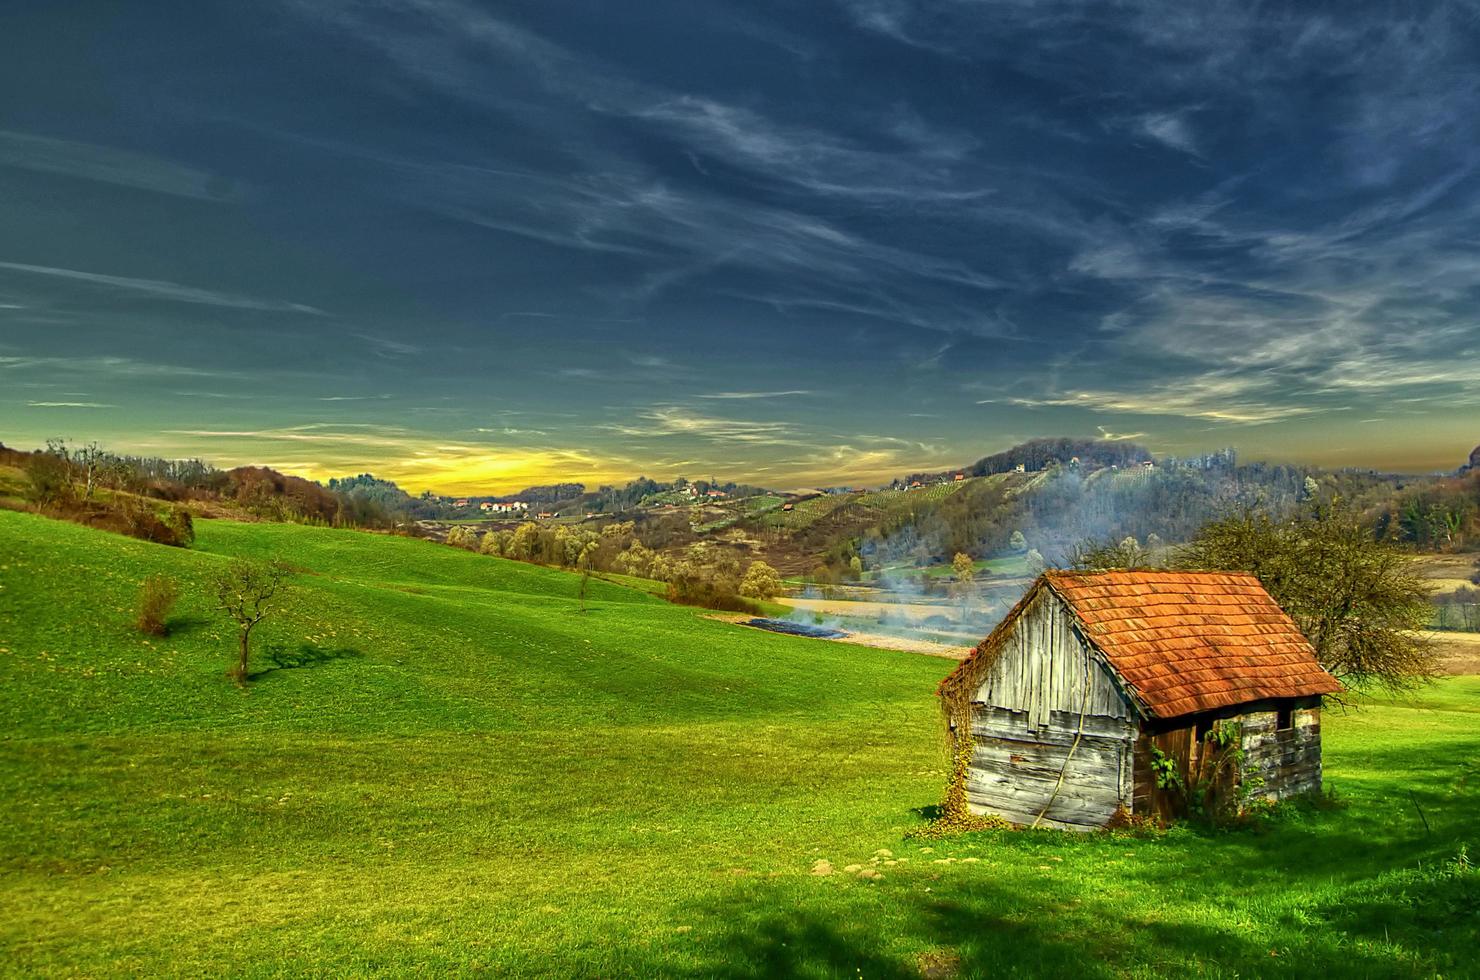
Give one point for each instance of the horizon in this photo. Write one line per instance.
(473, 247)
(833, 479)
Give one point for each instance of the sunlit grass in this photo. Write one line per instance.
(443, 765)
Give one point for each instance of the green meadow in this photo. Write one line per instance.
(443, 766)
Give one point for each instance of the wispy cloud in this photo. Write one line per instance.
(1213, 397)
(746, 395)
(1171, 129)
(681, 235)
(119, 367)
(674, 420)
(1118, 436)
(388, 346)
(68, 405)
(161, 289)
(109, 165)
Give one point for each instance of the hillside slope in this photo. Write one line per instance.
(443, 766)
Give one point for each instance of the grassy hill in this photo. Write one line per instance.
(444, 766)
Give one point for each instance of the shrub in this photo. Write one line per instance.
(761, 581)
(699, 591)
(180, 522)
(157, 597)
(50, 475)
(137, 518)
(710, 577)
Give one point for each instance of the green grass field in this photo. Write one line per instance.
(444, 767)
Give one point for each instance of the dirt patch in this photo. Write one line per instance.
(880, 641)
(930, 648)
(865, 608)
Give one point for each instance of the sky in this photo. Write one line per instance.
(473, 246)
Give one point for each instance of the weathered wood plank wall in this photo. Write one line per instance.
(1288, 762)
(1028, 711)
(1043, 667)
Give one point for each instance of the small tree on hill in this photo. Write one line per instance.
(584, 562)
(244, 591)
(761, 581)
(1098, 556)
(90, 462)
(525, 543)
(963, 569)
(1018, 542)
(1356, 598)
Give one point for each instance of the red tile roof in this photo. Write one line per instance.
(1185, 642)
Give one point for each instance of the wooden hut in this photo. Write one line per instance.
(1106, 694)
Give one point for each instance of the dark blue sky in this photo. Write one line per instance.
(476, 245)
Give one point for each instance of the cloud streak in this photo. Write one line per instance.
(160, 289)
(104, 164)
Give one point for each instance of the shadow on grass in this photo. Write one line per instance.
(180, 625)
(305, 656)
(984, 928)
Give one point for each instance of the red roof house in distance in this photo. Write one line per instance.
(1095, 679)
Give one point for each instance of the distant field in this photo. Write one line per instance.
(739, 510)
(1459, 653)
(804, 512)
(445, 768)
(1446, 573)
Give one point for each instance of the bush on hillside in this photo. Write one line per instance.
(50, 475)
(157, 597)
(138, 518)
(708, 576)
(698, 591)
(761, 581)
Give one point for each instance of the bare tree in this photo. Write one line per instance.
(1098, 556)
(244, 590)
(91, 461)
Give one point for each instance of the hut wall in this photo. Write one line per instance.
(1277, 763)
(1044, 691)
(1288, 761)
